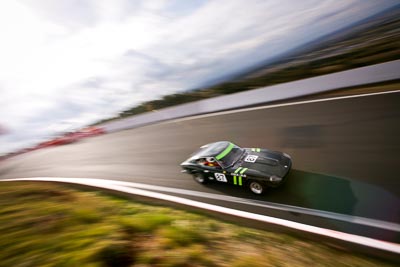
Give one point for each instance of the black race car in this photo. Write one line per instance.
(256, 168)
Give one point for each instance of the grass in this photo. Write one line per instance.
(44, 224)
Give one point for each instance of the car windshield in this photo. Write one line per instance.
(233, 154)
(212, 149)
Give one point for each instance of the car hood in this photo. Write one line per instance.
(265, 163)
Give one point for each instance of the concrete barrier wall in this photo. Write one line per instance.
(355, 77)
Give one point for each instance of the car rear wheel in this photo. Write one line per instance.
(256, 187)
(200, 178)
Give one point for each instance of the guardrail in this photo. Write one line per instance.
(355, 77)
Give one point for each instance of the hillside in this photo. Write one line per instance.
(371, 41)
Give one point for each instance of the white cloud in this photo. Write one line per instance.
(67, 63)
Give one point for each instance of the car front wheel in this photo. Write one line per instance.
(200, 178)
(256, 187)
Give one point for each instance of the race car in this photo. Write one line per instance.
(255, 168)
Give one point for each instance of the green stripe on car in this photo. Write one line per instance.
(240, 178)
(225, 152)
(238, 169)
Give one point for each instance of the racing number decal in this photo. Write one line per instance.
(251, 158)
(220, 177)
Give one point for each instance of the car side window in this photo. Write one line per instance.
(206, 163)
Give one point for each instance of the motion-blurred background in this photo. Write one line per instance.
(69, 64)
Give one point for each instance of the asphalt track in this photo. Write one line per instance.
(345, 157)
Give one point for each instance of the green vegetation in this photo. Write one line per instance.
(43, 224)
(373, 42)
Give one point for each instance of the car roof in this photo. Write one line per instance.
(212, 149)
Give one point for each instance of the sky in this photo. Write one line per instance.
(65, 64)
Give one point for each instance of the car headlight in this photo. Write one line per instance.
(275, 178)
(286, 155)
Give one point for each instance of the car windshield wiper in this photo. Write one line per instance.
(237, 160)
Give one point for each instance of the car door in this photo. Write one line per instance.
(213, 172)
(221, 176)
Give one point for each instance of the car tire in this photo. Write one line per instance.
(200, 178)
(256, 187)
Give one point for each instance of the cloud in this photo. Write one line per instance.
(68, 63)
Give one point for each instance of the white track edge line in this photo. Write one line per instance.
(361, 240)
(219, 113)
(289, 208)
